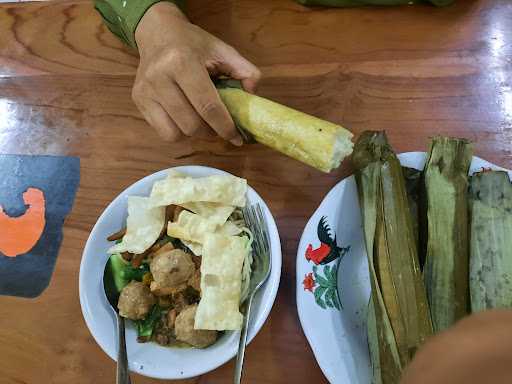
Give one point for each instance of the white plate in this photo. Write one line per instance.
(338, 336)
(150, 359)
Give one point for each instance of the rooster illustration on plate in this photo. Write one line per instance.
(322, 282)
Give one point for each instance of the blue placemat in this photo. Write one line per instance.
(57, 177)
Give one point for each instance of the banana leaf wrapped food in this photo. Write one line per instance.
(306, 138)
(446, 268)
(399, 318)
(355, 3)
(413, 181)
(491, 241)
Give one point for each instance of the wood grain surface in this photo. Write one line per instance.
(65, 85)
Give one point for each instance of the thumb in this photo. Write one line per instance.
(234, 65)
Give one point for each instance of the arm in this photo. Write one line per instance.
(475, 350)
(123, 16)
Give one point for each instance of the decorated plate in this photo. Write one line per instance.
(333, 285)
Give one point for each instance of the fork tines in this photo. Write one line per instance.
(255, 220)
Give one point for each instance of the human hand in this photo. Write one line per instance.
(173, 89)
(475, 350)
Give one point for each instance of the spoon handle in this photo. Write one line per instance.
(122, 376)
(243, 341)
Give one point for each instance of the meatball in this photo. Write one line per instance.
(184, 328)
(135, 301)
(179, 301)
(195, 280)
(157, 290)
(171, 269)
(171, 318)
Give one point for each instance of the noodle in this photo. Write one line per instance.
(238, 220)
(246, 268)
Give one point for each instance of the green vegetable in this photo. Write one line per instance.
(491, 241)
(447, 259)
(124, 272)
(146, 326)
(118, 264)
(130, 273)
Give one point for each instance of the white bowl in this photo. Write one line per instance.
(150, 359)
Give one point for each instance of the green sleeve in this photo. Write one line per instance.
(123, 16)
(355, 3)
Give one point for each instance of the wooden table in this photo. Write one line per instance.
(65, 90)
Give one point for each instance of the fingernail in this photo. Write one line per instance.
(237, 141)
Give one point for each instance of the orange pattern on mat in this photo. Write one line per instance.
(18, 235)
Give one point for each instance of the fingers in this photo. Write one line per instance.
(237, 67)
(200, 91)
(178, 106)
(176, 95)
(159, 119)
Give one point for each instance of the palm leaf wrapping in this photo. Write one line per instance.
(447, 254)
(491, 241)
(355, 3)
(399, 319)
(413, 185)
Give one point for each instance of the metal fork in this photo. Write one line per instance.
(256, 222)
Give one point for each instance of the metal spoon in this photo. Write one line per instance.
(122, 376)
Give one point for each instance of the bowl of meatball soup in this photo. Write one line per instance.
(159, 273)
